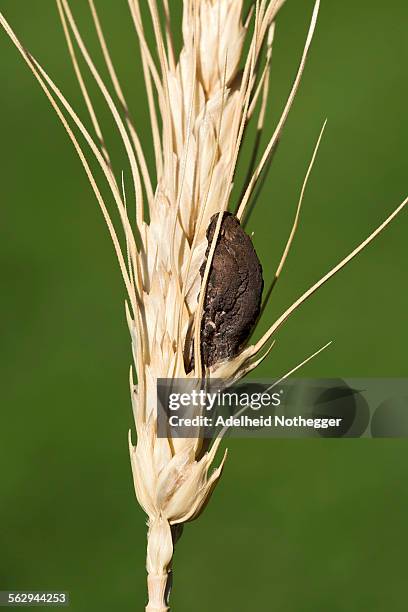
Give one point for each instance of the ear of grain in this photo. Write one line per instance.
(200, 104)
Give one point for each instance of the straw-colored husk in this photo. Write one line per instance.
(200, 104)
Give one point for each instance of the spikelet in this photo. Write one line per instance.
(200, 104)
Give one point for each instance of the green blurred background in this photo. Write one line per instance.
(295, 525)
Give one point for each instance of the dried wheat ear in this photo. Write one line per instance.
(193, 279)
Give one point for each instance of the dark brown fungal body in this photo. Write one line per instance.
(234, 292)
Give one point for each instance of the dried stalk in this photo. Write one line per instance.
(200, 105)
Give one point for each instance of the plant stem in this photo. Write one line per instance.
(158, 563)
(156, 587)
(161, 540)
